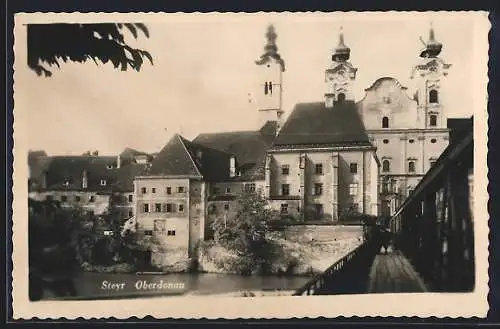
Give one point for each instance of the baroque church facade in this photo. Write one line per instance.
(328, 160)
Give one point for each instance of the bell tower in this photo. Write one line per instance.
(340, 75)
(269, 88)
(429, 73)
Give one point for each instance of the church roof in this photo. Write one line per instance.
(315, 125)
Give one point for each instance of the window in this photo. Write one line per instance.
(385, 141)
(353, 189)
(130, 213)
(145, 207)
(66, 182)
(433, 140)
(90, 212)
(284, 208)
(432, 162)
(354, 168)
(433, 96)
(228, 190)
(144, 190)
(341, 97)
(411, 166)
(148, 232)
(181, 208)
(285, 189)
(153, 190)
(130, 197)
(110, 166)
(411, 141)
(180, 189)
(170, 207)
(169, 190)
(318, 189)
(319, 169)
(171, 232)
(410, 191)
(215, 190)
(226, 206)
(103, 182)
(64, 198)
(386, 166)
(302, 161)
(49, 198)
(250, 187)
(160, 226)
(92, 198)
(433, 121)
(157, 207)
(285, 169)
(385, 122)
(78, 198)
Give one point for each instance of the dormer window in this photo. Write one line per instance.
(66, 182)
(103, 182)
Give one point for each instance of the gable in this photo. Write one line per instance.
(174, 159)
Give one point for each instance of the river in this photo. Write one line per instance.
(119, 285)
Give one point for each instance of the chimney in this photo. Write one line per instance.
(84, 180)
(232, 166)
(118, 161)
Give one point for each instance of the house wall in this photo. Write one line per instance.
(335, 178)
(175, 248)
(99, 206)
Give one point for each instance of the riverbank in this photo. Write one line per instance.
(305, 252)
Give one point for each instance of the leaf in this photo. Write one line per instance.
(132, 29)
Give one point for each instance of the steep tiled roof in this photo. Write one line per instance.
(213, 164)
(57, 170)
(249, 147)
(313, 124)
(174, 159)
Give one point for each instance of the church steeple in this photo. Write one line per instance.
(340, 75)
(432, 48)
(269, 84)
(341, 52)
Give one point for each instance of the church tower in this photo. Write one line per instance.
(340, 75)
(269, 91)
(428, 75)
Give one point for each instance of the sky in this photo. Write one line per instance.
(204, 69)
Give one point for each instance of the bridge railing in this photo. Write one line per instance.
(434, 226)
(346, 276)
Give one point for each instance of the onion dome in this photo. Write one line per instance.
(271, 49)
(432, 47)
(342, 52)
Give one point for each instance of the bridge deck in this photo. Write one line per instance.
(393, 273)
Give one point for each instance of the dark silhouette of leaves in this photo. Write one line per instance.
(49, 44)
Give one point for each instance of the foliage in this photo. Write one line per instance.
(52, 43)
(245, 235)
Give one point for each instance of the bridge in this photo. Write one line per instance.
(432, 246)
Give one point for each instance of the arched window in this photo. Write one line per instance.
(433, 96)
(266, 88)
(386, 166)
(411, 166)
(433, 121)
(271, 88)
(385, 122)
(341, 97)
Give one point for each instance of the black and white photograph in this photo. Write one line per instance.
(227, 165)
